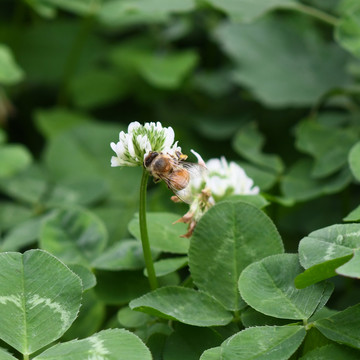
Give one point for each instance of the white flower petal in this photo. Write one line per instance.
(199, 158)
(169, 137)
(140, 140)
(158, 127)
(133, 126)
(228, 178)
(115, 161)
(122, 136)
(131, 148)
(113, 146)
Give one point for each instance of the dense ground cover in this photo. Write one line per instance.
(271, 85)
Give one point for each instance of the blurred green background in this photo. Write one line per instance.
(272, 85)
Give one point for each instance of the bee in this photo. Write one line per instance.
(178, 174)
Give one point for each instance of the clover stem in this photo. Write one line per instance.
(26, 356)
(144, 233)
(316, 13)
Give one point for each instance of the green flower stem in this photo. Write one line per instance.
(316, 13)
(144, 233)
(26, 357)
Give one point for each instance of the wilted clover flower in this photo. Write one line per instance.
(136, 144)
(223, 179)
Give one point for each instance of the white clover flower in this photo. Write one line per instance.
(136, 144)
(225, 179)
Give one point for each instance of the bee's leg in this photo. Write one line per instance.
(167, 181)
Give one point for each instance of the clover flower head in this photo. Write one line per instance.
(225, 179)
(135, 145)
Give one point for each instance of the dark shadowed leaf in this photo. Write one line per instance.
(342, 327)
(189, 342)
(90, 318)
(56, 120)
(318, 140)
(298, 185)
(248, 142)
(332, 352)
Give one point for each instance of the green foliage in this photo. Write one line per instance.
(331, 352)
(224, 244)
(317, 139)
(341, 327)
(185, 305)
(102, 344)
(10, 72)
(244, 11)
(354, 162)
(271, 85)
(264, 289)
(36, 309)
(163, 234)
(14, 158)
(248, 143)
(73, 235)
(167, 266)
(348, 29)
(323, 251)
(296, 78)
(273, 343)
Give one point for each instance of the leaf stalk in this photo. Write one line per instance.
(316, 13)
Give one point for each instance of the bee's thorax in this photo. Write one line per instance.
(161, 165)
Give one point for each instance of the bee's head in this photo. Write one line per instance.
(150, 158)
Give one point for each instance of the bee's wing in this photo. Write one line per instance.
(197, 174)
(196, 171)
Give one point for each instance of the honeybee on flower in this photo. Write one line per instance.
(199, 184)
(178, 174)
